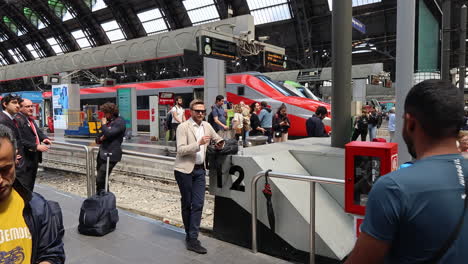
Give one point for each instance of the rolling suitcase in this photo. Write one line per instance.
(98, 214)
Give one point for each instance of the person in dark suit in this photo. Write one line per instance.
(31, 139)
(110, 138)
(314, 125)
(10, 106)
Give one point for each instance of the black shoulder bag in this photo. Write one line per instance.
(453, 236)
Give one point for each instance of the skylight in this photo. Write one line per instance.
(60, 10)
(55, 46)
(95, 5)
(201, 11)
(3, 62)
(35, 19)
(33, 51)
(113, 31)
(81, 39)
(15, 53)
(153, 21)
(356, 3)
(3, 37)
(267, 11)
(364, 48)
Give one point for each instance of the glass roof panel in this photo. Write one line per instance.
(34, 18)
(115, 35)
(3, 37)
(15, 54)
(33, 51)
(271, 14)
(201, 11)
(55, 46)
(97, 5)
(192, 4)
(9, 23)
(81, 39)
(110, 25)
(257, 4)
(356, 3)
(155, 26)
(60, 10)
(149, 15)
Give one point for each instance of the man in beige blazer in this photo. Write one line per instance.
(193, 137)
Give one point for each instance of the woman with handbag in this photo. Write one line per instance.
(257, 130)
(281, 124)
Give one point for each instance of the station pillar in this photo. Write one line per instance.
(215, 81)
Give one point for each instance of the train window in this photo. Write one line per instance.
(280, 88)
(142, 102)
(240, 90)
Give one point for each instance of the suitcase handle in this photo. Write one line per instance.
(107, 154)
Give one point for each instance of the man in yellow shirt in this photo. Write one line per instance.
(29, 230)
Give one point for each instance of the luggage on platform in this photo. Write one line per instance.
(98, 214)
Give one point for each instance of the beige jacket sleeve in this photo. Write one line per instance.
(213, 133)
(184, 147)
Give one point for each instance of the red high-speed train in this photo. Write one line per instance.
(247, 87)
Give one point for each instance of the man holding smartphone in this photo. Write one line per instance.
(193, 137)
(31, 139)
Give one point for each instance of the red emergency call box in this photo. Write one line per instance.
(365, 162)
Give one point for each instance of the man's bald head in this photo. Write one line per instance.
(26, 107)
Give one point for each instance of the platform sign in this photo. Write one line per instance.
(217, 48)
(359, 26)
(126, 101)
(166, 98)
(274, 60)
(154, 118)
(60, 105)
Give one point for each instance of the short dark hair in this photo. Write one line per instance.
(196, 102)
(219, 98)
(110, 108)
(264, 104)
(8, 98)
(321, 110)
(6, 133)
(438, 107)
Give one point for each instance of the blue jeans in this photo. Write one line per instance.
(372, 132)
(192, 190)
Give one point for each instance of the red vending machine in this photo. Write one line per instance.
(365, 162)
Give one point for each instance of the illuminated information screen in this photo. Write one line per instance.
(274, 60)
(217, 48)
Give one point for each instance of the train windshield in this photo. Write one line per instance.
(280, 88)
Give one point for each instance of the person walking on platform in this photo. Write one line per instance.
(29, 230)
(375, 121)
(10, 106)
(219, 117)
(281, 124)
(110, 140)
(418, 214)
(177, 115)
(193, 137)
(256, 129)
(314, 125)
(266, 120)
(31, 139)
(361, 126)
(391, 123)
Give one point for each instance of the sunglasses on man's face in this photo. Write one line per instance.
(199, 111)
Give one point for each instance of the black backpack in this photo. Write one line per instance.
(98, 215)
(212, 122)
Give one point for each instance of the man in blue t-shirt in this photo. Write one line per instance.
(412, 212)
(219, 117)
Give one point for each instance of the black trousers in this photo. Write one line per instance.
(358, 132)
(27, 172)
(192, 190)
(101, 173)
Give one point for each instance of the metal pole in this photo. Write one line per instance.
(341, 72)
(312, 224)
(462, 54)
(446, 17)
(253, 203)
(404, 67)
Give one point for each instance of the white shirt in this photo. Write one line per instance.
(179, 112)
(199, 133)
(8, 114)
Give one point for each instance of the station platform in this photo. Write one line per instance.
(139, 239)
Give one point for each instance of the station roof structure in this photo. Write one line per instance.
(34, 29)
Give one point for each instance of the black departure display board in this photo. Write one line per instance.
(217, 48)
(274, 60)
